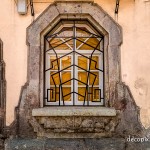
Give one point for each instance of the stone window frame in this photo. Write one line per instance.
(73, 10)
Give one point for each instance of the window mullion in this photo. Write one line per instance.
(74, 48)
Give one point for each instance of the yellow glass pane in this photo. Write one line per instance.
(80, 43)
(82, 62)
(55, 79)
(55, 41)
(81, 91)
(94, 63)
(67, 91)
(58, 44)
(95, 96)
(92, 77)
(54, 96)
(82, 76)
(83, 46)
(89, 44)
(65, 77)
(66, 62)
(70, 43)
(93, 42)
(54, 64)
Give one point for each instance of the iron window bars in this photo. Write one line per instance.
(76, 41)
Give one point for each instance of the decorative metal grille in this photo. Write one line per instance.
(74, 66)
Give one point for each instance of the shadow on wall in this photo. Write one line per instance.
(2, 96)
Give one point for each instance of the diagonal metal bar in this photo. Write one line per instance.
(87, 89)
(83, 42)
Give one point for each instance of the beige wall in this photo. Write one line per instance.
(134, 17)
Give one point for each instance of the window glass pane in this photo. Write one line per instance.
(55, 79)
(82, 45)
(54, 94)
(67, 91)
(92, 77)
(70, 43)
(66, 76)
(81, 91)
(82, 76)
(79, 42)
(82, 62)
(93, 42)
(87, 43)
(54, 63)
(94, 63)
(61, 44)
(55, 42)
(95, 96)
(66, 62)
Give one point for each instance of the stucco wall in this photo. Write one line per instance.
(134, 17)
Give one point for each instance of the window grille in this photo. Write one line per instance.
(74, 65)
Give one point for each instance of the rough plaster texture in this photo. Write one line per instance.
(129, 123)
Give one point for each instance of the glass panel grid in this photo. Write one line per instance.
(75, 78)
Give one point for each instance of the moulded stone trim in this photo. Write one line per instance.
(80, 8)
(75, 126)
(40, 24)
(94, 10)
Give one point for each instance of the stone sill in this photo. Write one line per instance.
(73, 111)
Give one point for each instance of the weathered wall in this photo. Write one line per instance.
(134, 19)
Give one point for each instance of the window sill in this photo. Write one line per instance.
(73, 111)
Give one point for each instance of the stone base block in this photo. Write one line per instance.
(65, 144)
(93, 122)
(75, 127)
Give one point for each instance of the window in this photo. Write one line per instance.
(74, 65)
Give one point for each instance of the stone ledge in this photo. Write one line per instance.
(74, 111)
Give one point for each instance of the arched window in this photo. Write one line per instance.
(74, 65)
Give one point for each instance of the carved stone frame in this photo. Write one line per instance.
(32, 93)
(68, 10)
